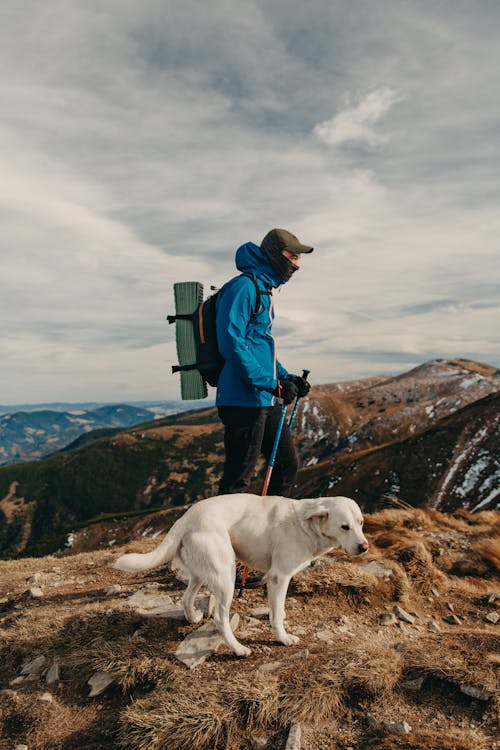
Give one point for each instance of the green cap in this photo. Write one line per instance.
(280, 239)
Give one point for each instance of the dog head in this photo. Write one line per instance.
(340, 520)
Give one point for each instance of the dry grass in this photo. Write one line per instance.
(156, 703)
(180, 718)
(312, 696)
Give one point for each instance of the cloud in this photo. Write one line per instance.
(356, 123)
(142, 143)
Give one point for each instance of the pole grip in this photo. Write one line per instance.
(305, 373)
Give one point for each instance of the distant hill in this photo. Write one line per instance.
(31, 433)
(429, 436)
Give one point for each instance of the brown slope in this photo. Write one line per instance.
(454, 463)
(361, 414)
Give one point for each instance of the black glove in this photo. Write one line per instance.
(287, 390)
(302, 385)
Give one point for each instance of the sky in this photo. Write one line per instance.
(142, 143)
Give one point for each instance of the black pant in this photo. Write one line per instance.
(250, 431)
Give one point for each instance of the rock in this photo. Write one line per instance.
(450, 606)
(435, 593)
(35, 592)
(99, 682)
(35, 578)
(145, 600)
(202, 643)
(475, 692)
(434, 627)
(298, 655)
(46, 697)
(452, 619)
(493, 598)
(252, 622)
(271, 666)
(260, 613)
(415, 684)
(33, 667)
(492, 617)
(394, 727)
(161, 605)
(20, 747)
(258, 742)
(53, 672)
(325, 635)
(387, 618)
(8, 693)
(397, 727)
(113, 590)
(294, 736)
(403, 615)
(376, 569)
(16, 681)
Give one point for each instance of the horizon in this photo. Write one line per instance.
(210, 400)
(141, 145)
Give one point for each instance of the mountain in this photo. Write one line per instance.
(429, 436)
(34, 433)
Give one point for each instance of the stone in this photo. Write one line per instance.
(99, 682)
(20, 747)
(434, 627)
(415, 684)
(294, 737)
(260, 613)
(435, 593)
(147, 600)
(34, 666)
(403, 615)
(46, 697)
(492, 617)
(53, 672)
(298, 655)
(376, 569)
(252, 622)
(450, 606)
(325, 635)
(271, 666)
(259, 742)
(493, 598)
(202, 643)
(397, 727)
(452, 620)
(35, 578)
(35, 592)
(16, 681)
(387, 618)
(7, 693)
(475, 692)
(113, 590)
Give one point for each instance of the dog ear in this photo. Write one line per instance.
(319, 514)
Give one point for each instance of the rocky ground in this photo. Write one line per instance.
(398, 649)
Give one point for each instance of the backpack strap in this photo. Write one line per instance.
(259, 293)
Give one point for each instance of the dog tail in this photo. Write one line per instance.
(136, 563)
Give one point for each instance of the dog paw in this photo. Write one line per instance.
(194, 616)
(242, 651)
(290, 640)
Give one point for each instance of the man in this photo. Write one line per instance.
(253, 379)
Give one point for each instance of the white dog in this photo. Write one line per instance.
(275, 535)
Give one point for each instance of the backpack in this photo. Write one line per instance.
(197, 337)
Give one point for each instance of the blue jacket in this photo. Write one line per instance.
(251, 370)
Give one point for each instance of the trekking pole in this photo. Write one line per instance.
(275, 450)
(305, 373)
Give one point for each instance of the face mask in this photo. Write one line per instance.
(281, 265)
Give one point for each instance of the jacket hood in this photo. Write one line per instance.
(251, 259)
